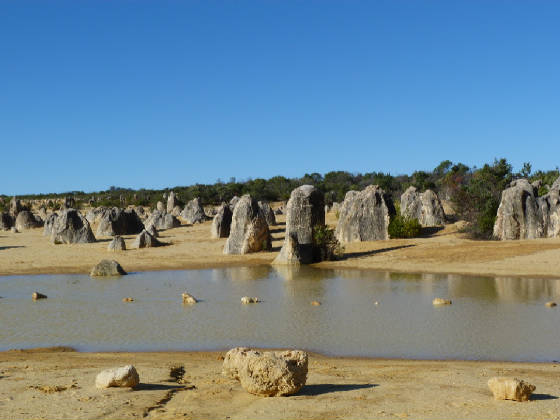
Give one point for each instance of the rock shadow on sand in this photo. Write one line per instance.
(319, 389)
(351, 255)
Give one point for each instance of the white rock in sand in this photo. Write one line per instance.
(125, 376)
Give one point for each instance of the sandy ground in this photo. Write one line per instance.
(60, 385)
(443, 251)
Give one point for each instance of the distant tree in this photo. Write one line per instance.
(477, 201)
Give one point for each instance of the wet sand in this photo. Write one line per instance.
(51, 384)
(443, 251)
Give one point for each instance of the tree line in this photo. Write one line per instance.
(473, 192)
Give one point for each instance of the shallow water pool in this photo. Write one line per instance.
(490, 318)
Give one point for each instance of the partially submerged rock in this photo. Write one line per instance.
(37, 296)
(440, 302)
(125, 377)
(107, 268)
(507, 388)
(267, 373)
(550, 304)
(188, 298)
(246, 300)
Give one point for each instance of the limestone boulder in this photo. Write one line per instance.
(194, 212)
(267, 213)
(160, 207)
(125, 377)
(425, 207)
(249, 230)
(116, 221)
(107, 268)
(304, 211)
(507, 388)
(94, 214)
(233, 202)
(171, 202)
(49, 224)
(145, 240)
(116, 244)
(221, 223)
(365, 215)
(16, 207)
(26, 220)
(70, 227)
(519, 214)
(162, 221)
(268, 373)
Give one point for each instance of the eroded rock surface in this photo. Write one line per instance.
(365, 215)
(249, 230)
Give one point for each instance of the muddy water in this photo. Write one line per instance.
(490, 318)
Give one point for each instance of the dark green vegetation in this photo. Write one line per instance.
(403, 227)
(326, 245)
(474, 192)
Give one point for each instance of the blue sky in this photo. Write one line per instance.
(162, 93)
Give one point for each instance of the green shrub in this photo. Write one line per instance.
(326, 246)
(404, 227)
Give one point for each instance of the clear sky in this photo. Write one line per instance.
(162, 93)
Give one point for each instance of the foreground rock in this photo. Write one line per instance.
(221, 223)
(194, 212)
(125, 377)
(107, 268)
(365, 215)
(249, 230)
(117, 244)
(117, 221)
(26, 220)
(145, 240)
(505, 388)
(304, 211)
(70, 227)
(425, 207)
(267, 373)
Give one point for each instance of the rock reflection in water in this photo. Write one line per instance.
(491, 318)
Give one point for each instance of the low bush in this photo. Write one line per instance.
(325, 244)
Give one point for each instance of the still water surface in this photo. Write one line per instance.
(490, 319)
